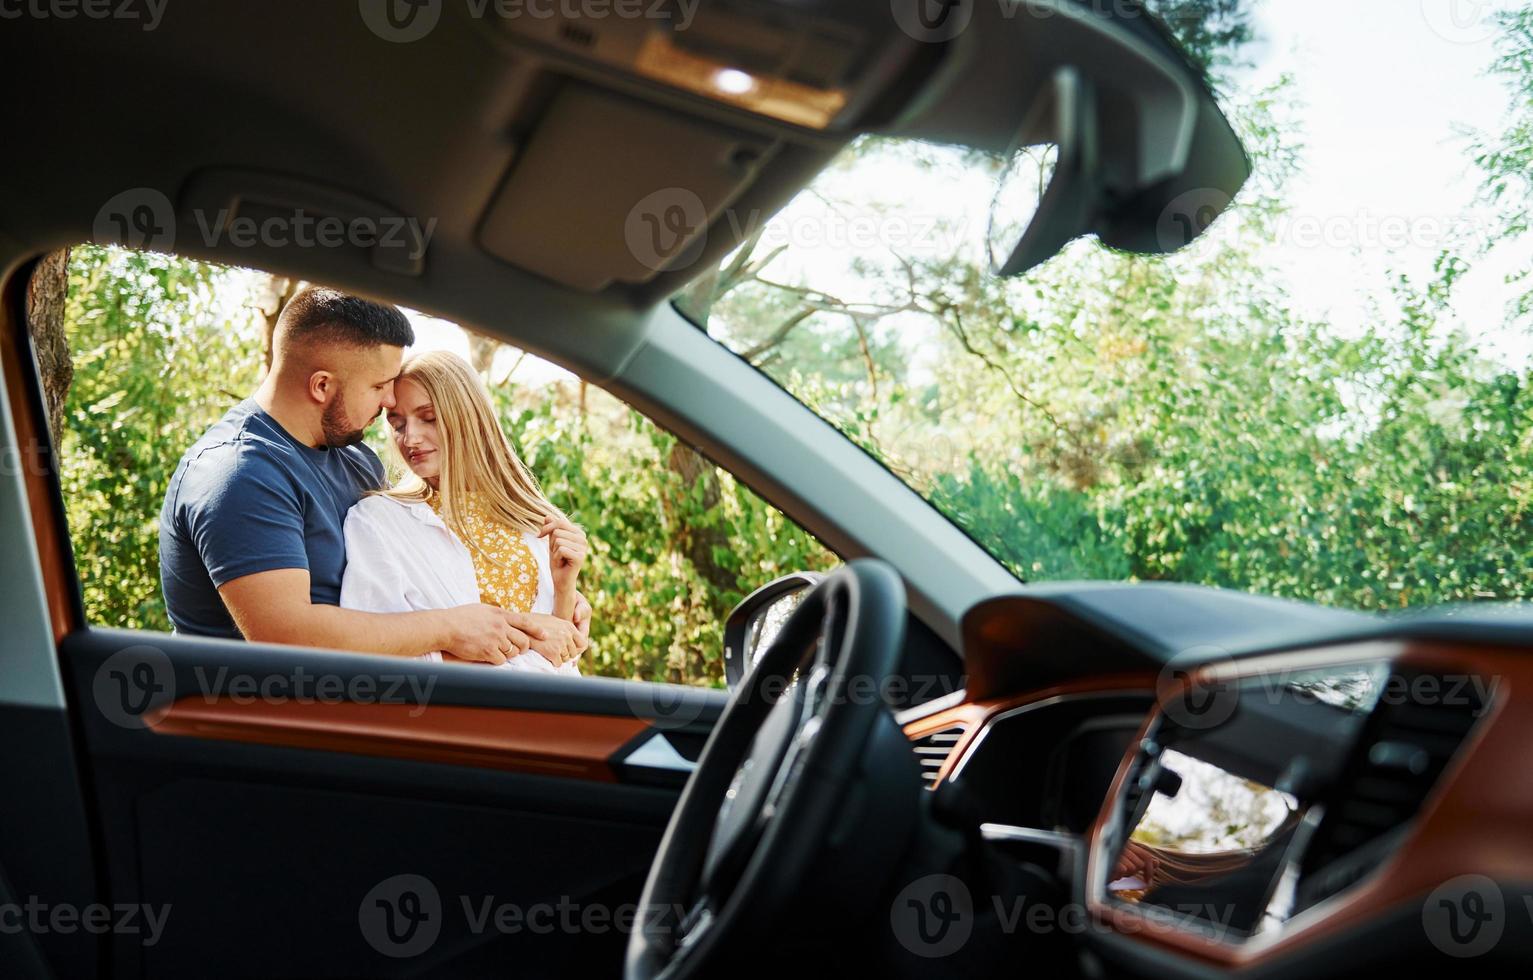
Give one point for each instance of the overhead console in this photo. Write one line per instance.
(659, 135)
(677, 129)
(818, 67)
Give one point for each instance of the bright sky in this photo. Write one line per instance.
(1385, 88)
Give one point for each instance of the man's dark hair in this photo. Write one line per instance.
(322, 315)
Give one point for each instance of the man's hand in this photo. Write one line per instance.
(1138, 861)
(488, 634)
(560, 641)
(275, 607)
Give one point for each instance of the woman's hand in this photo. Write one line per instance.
(561, 641)
(567, 550)
(582, 618)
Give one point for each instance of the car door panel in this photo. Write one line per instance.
(259, 824)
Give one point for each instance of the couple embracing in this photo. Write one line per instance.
(279, 526)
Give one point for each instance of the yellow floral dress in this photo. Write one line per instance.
(505, 566)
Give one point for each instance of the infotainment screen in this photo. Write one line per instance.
(1222, 791)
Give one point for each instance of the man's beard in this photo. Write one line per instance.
(337, 427)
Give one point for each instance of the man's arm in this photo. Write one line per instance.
(274, 607)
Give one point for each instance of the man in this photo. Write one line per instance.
(251, 540)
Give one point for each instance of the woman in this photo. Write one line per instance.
(468, 524)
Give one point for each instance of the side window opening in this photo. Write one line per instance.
(139, 353)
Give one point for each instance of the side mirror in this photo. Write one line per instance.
(756, 620)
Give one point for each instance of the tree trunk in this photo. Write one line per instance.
(696, 543)
(270, 297)
(481, 353)
(46, 294)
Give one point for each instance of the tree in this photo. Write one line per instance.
(268, 297)
(1505, 159)
(46, 294)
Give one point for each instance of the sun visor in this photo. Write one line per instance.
(609, 189)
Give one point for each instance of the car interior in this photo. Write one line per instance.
(553, 181)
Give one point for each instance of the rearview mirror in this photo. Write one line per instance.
(1104, 126)
(1047, 192)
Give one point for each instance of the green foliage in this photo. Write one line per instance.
(658, 616)
(1505, 159)
(1174, 418)
(155, 361)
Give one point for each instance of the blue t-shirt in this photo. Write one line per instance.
(247, 498)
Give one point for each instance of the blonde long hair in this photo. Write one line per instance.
(476, 455)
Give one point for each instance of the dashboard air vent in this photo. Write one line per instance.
(1407, 744)
(932, 751)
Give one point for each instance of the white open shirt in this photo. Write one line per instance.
(401, 557)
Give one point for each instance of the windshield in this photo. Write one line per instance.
(1327, 397)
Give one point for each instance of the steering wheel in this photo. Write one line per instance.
(775, 795)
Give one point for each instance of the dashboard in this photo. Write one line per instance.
(1299, 790)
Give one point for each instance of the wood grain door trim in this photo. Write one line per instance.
(577, 746)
